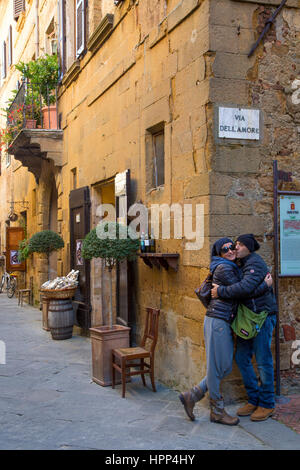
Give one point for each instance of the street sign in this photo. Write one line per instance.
(239, 123)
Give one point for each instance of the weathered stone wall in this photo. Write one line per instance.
(268, 81)
(153, 68)
(175, 61)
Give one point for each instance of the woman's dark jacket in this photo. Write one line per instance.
(226, 273)
(254, 270)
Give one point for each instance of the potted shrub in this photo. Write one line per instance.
(42, 76)
(112, 242)
(45, 242)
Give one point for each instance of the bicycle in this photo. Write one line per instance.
(10, 282)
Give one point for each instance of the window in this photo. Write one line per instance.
(80, 27)
(9, 47)
(3, 60)
(8, 159)
(155, 156)
(50, 39)
(74, 178)
(19, 6)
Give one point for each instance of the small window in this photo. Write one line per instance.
(8, 159)
(80, 27)
(33, 204)
(3, 62)
(74, 178)
(155, 156)
(9, 47)
(50, 39)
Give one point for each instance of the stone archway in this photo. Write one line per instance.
(49, 194)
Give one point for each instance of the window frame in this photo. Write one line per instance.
(3, 60)
(79, 50)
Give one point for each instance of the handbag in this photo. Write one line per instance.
(204, 291)
(247, 324)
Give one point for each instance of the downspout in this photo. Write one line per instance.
(37, 29)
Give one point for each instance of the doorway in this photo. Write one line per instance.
(53, 226)
(102, 193)
(79, 203)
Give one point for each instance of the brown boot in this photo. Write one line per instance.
(189, 399)
(219, 415)
(261, 414)
(246, 410)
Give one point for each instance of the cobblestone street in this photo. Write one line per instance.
(48, 401)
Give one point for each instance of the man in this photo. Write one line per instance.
(261, 399)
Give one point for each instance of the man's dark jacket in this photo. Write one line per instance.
(254, 270)
(226, 273)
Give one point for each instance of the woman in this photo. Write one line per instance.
(218, 335)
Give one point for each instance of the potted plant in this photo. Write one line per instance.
(112, 242)
(42, 77)
(45, 242)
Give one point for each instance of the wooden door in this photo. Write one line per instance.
(79, 202)
(124, 311)
(13, 236)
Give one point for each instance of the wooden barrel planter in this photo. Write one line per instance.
(60, 312)
(61, 318)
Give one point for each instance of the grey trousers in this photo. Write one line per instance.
(219, 355)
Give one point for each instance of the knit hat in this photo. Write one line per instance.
(216, 249)
(249, 241)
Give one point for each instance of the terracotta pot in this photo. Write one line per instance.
(49, 117)
(103, 340)
(30, 124)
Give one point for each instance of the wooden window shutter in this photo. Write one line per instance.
(80, 26)
(13, 236)
(19, 6)
(62, 36)
(3, 59)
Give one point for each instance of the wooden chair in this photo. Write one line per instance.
(122, 358)
(26, 293)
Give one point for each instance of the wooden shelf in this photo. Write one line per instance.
(165, 260)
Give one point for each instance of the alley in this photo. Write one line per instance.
(48, 401)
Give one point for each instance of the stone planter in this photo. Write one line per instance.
(103, 340)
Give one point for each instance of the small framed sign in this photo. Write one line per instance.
(239, 123)
(289, 207)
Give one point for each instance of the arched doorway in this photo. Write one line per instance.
(53, 226)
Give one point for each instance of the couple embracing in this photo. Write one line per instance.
(248, 284)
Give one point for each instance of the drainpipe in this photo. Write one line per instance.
(37, 29)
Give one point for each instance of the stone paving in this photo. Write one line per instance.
(289, 413)
(48, 401)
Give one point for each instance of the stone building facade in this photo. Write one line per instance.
(156, 73)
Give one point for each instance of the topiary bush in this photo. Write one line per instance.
(113, 242)
(45, 242)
